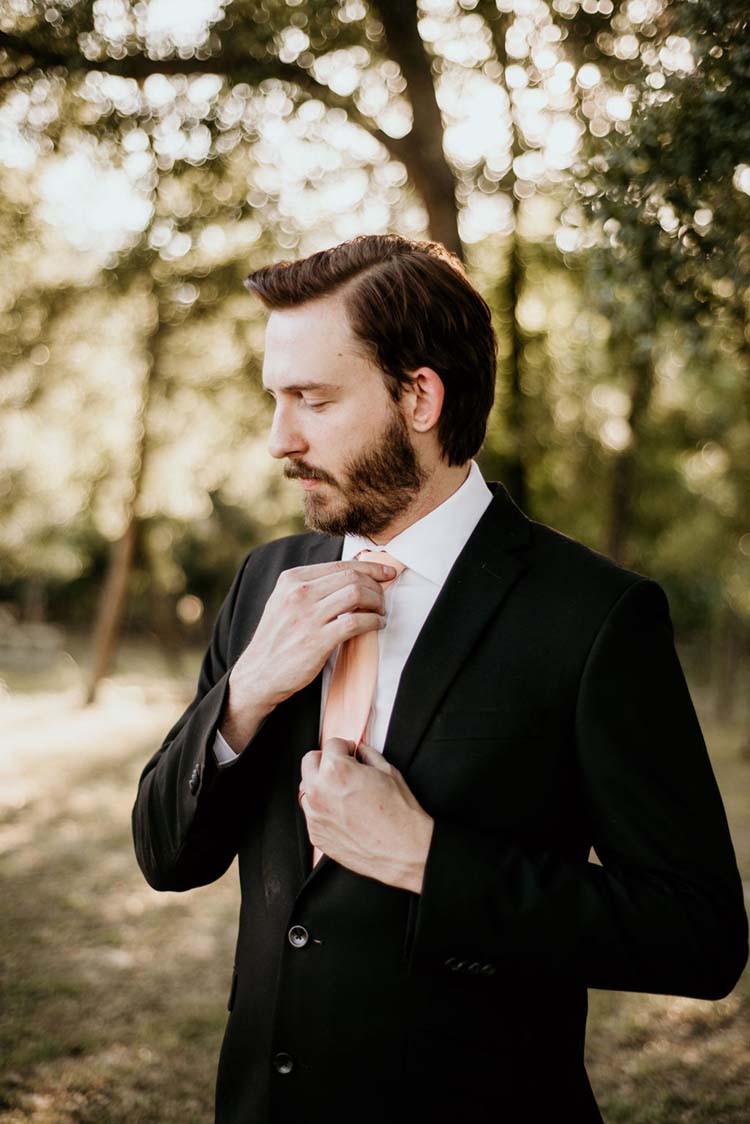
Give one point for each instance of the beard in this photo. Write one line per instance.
(375, 487)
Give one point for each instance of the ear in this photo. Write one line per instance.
(425, 395)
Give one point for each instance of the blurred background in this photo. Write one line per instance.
(590, 162)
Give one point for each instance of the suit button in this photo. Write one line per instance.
(298, 936)
(474, 968)
(450, 963)
(488, 969)
(195, 779)
(283, 1063)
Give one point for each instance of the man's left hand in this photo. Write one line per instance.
(361, 813)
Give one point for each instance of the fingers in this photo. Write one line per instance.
(327, 596)
(328, 760)
(325, 569)
(350, 624)
(370, 756)
(309, 767)
(352, 597)
(339, 747)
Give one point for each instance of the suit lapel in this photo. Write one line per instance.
(492, 560)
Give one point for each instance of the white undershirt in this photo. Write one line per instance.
(428, 548)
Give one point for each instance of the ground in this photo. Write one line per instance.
(112, 996)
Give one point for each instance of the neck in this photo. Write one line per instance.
(440, 487)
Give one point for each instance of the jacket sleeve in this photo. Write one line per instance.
(664, 913)
(186, 816)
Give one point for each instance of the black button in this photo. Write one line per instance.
(474, 968)
(450, 962)
(283, 1063)
(298, 936)
(488, 969)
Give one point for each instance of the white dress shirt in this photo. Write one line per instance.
(428, 549)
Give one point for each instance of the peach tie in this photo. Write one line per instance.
(355, 672)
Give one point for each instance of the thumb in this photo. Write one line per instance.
(370, 756)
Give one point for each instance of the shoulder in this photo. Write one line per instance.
(576, 582)
(554, 550)
(560, 569)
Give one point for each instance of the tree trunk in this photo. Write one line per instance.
(35, 601)
(515, 472)
(165, 626)
(425, 161)
(743, 623)
(111, 606)
(114, 594)
(744, 679)
(727, 664)
(515, 468)
(623, 481)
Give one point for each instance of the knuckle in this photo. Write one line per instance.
(336, 770)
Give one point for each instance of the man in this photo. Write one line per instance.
(420, 919)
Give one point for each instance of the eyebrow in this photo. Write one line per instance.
(298, 386)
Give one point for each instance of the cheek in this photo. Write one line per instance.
(340, 438)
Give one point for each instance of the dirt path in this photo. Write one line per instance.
(112, 1005)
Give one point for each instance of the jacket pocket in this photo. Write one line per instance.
(232, 990)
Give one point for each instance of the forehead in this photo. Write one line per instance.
(312, 340)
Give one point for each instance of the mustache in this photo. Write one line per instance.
(299, 470)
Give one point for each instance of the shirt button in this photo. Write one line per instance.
(283, 1063)
(488, 969)
(298, 936)
(474, 968)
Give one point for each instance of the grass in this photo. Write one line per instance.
(112, 996)
(656, 1059)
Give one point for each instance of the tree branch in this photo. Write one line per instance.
(227, 64)
(496, 22)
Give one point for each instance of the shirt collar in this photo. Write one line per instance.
(432, 544)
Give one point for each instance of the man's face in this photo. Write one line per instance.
(344, 437)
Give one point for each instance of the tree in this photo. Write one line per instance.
(248, 122)
(674, 200)
(392, 66)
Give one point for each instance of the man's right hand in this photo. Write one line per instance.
(311, 610)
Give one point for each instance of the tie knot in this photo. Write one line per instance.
(383, 558)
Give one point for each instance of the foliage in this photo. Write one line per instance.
(146, 165)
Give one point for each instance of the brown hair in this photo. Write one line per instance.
(411, 305)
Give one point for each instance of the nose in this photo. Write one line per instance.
(284, 438)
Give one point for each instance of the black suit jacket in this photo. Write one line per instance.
(541, 712)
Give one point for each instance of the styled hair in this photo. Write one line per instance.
(411, 305)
